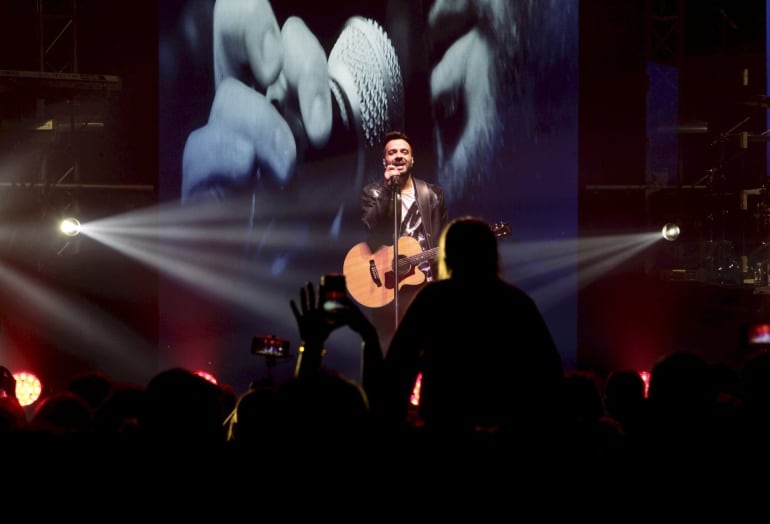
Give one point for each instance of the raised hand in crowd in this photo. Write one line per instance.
(316, 321)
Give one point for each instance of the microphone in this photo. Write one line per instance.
(394, 182)
(367, 90)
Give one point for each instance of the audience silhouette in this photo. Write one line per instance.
(12, 414)
(494, 401)
(595, 438)
(755, 381)
(254, 425)
(182, 407)
(488, 364)
(624, 399)
(91, 386)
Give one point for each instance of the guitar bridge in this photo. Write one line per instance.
(374, 273)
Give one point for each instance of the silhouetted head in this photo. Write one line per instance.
(121, 409)
(623, 389)
(93, 386)
(624, 398)
(468, 247)
(681, 382)
(7, 383)
(755, 376)
(12, 414)
(63, 411)
(181, 404)
(256, 419)
(583, 395)
(324, 405)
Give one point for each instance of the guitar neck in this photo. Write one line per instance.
(500, 230)
(418, 258)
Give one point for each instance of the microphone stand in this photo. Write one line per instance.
(396, 183)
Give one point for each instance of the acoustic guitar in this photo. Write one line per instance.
(370, 277)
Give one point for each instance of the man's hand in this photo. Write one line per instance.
(312, 320)
(272, 101)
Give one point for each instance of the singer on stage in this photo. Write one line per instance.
(422, 215)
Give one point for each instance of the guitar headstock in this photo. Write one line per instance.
(501, 229)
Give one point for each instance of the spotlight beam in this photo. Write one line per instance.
(239, 211)
(196, 244)
(592, 256)
(226, 228)
(97, 332)
(205, 246)
(224, 282)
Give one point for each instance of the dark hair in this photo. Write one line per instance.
(470, 246)
(395, 135)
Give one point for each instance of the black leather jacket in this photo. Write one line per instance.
(377, 212)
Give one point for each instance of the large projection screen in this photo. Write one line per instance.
(489, 98)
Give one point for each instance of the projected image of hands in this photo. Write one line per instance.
(272, 100)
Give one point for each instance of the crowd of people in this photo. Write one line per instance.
(700, 425)
(493, 400)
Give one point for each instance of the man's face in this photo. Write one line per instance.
(398, 152)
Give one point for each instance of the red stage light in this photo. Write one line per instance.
(646, 378)
(208, 376)
(28, 387)
(415, 398)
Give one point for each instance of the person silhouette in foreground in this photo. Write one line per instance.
(491, 372)
(12, 414)
(624, 397)
(488, 362)
(319, 403)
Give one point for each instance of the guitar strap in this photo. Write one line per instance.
(422, 195)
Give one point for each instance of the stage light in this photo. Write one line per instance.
(208, 376)
(28, 387)
(414, 398)
(670, 232)
(646, 375)
(70, 226)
